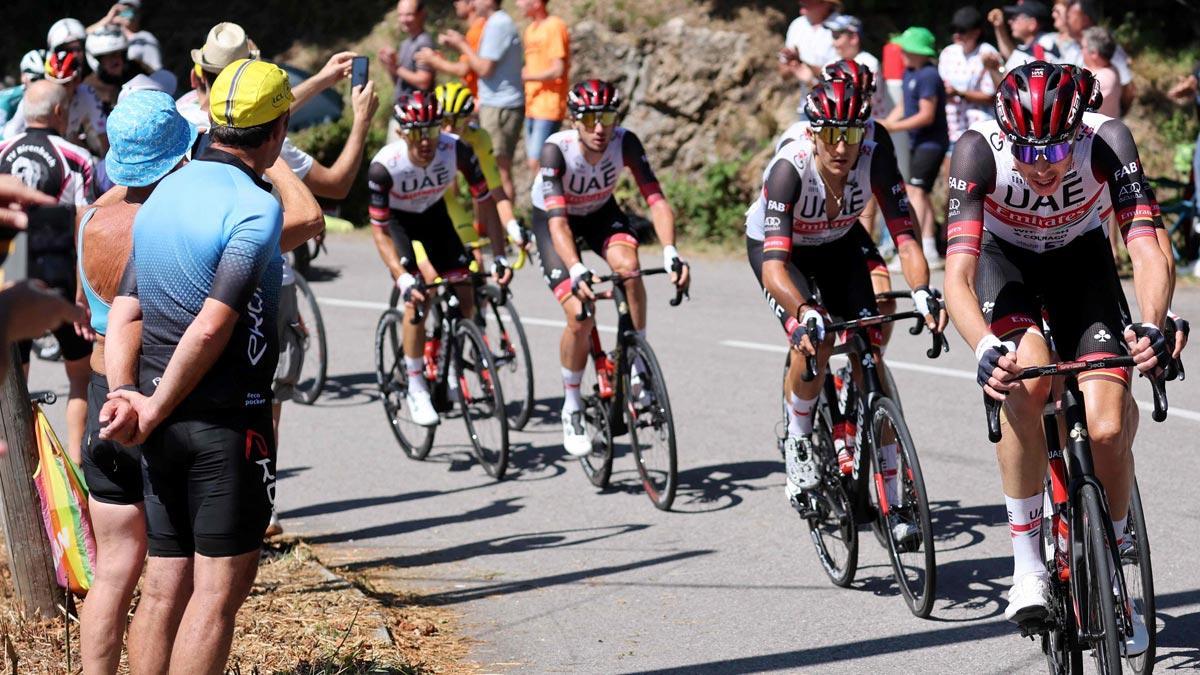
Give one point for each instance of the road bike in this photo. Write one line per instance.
(460, 370)
(305, 337)
(1082, 555)
(847, 499)
(625, 391)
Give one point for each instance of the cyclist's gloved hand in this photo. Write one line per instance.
(581, 280)
(1155, 355)
(516, 233)
(680, 272)
(800, 331)
(1182, 331)
(988, 353)
(411, 288)
(501, 270)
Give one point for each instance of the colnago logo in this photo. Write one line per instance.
(256, 345)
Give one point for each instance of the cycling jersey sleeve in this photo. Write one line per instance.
(379, 185)
(888, 188)
(553, 166)
(252, 243)
(635, 160)
(780, 192)
(1115, 160)
(972, 173)
(468, 165)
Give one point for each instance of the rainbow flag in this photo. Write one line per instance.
(64, 496)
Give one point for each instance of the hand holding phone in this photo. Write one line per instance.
(358, 71)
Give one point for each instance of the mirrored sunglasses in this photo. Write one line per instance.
(832, 135)
(415, 134)
(1054, 152)
(591, 118)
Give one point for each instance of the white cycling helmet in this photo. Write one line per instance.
(34, 64)
(105, 41)
(64, 31)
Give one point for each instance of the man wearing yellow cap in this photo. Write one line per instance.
(203, 279)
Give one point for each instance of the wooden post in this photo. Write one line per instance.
(29, 556)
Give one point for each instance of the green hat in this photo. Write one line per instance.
(916, 40)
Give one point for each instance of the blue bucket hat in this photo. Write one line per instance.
(146, 138)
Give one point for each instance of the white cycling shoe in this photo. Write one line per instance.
(420, 406)
(1029, 599)
(906, 535)
(1139, 642)
(802, 472)
(575, 437)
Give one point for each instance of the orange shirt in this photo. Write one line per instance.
(473, 37)
(545, 41)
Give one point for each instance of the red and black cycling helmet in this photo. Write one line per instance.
(1088, 89)
(63, 65)
(837, 103)
(418, 109)
(849, 69)
(593, 96)
(1041, 103)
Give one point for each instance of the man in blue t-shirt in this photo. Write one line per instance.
(924, 118)
(193, 386)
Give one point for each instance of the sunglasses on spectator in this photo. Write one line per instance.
(1054, 152)
(591, 118)
(833, 135)
(417, 134)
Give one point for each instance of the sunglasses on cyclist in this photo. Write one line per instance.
(416, 134)
(456, 122)
(832, 135)
(1054, 152)
(591, 118)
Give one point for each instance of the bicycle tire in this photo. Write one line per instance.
(890, 383)
(918, 590)
(506, 337)
(392, 378)
(307, 391)
(1058, 642)
(1139, 580)
(472, 355)
(1101, 615)
(658, 470)
(598, 464)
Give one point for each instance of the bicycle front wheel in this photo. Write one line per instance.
(651, 425)
(392, 378)
(482, 399)
(833, 530)
(506, 337)
(598, 463)
(1139, 578)
(311, 330)
(1100, 619)
(905, 521)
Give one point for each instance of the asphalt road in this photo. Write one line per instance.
(552, 575)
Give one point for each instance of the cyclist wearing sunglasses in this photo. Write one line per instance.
(1029, 194)
(408, 180)
(801, 230)
(573, 198)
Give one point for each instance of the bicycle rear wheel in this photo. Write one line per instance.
(506, 337)
(651, 425)
(482, 399)
(1100, 618)
(1139, 579)
(392, 378)
(311, 329)
(913, 561)
(834, 532)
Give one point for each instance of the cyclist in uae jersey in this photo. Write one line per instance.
(573, 198)
(408, 180)
(1026, 235)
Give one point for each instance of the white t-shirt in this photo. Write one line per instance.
(814, 43)
(1071, 52)
(1045, 47)
(965, 72)
(143, 46)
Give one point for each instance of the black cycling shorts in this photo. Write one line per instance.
(1077, 285)
(924, 164)
(434, 229)
(113, 472)
(862, 239)
(210, 483)
(835, 274)
(606, 227)
(72, 346)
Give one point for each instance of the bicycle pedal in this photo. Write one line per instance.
(1035, 627)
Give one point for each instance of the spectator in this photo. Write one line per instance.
(501, 95)
(45, 161)
(33, 68)
(1098, 47)
(547, 65)
(969, 90)
(1021, 36)
(808, 45)
(892, 65)
(407, 74)
(1082, 15)
(203, 412)
(1186, 90)
(464, 10)
(1062, 35)
(923, 116)
(847, 44)
(85, 112)
(143, 46)
(106, 55)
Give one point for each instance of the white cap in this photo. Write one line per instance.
(105, 41)
(141, 83)
(64, 31)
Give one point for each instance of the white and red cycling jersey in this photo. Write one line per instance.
(790, 211)
(987, 192)
(397, 184)
(572, 186)
(46, 162)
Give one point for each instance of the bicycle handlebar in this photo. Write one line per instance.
(940, 343)
(614, 278)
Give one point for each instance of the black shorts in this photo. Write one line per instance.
(862, 239)
(434, 229)
(210, 483)
(835, 274)
(113, 472)
(72, 346)
(924, 165)
(606, 227)
(1077, 285)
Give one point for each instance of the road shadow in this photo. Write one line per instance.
(497, 509)
(545, 416)
(952, 522)
(349, 389)
(527, 461)
(702, 489)
(319, 273)
(974, 589)
(1178, 631)
(282, 474)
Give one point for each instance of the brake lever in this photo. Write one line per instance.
(810, 360)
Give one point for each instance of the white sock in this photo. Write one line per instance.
(930, 246)
(799, 415)
(1119, 528)
(1025, 528)
(638, 367)
(415, 366)
(889, 467)
(572, 399)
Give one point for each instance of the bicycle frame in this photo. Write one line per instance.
(439, 358)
